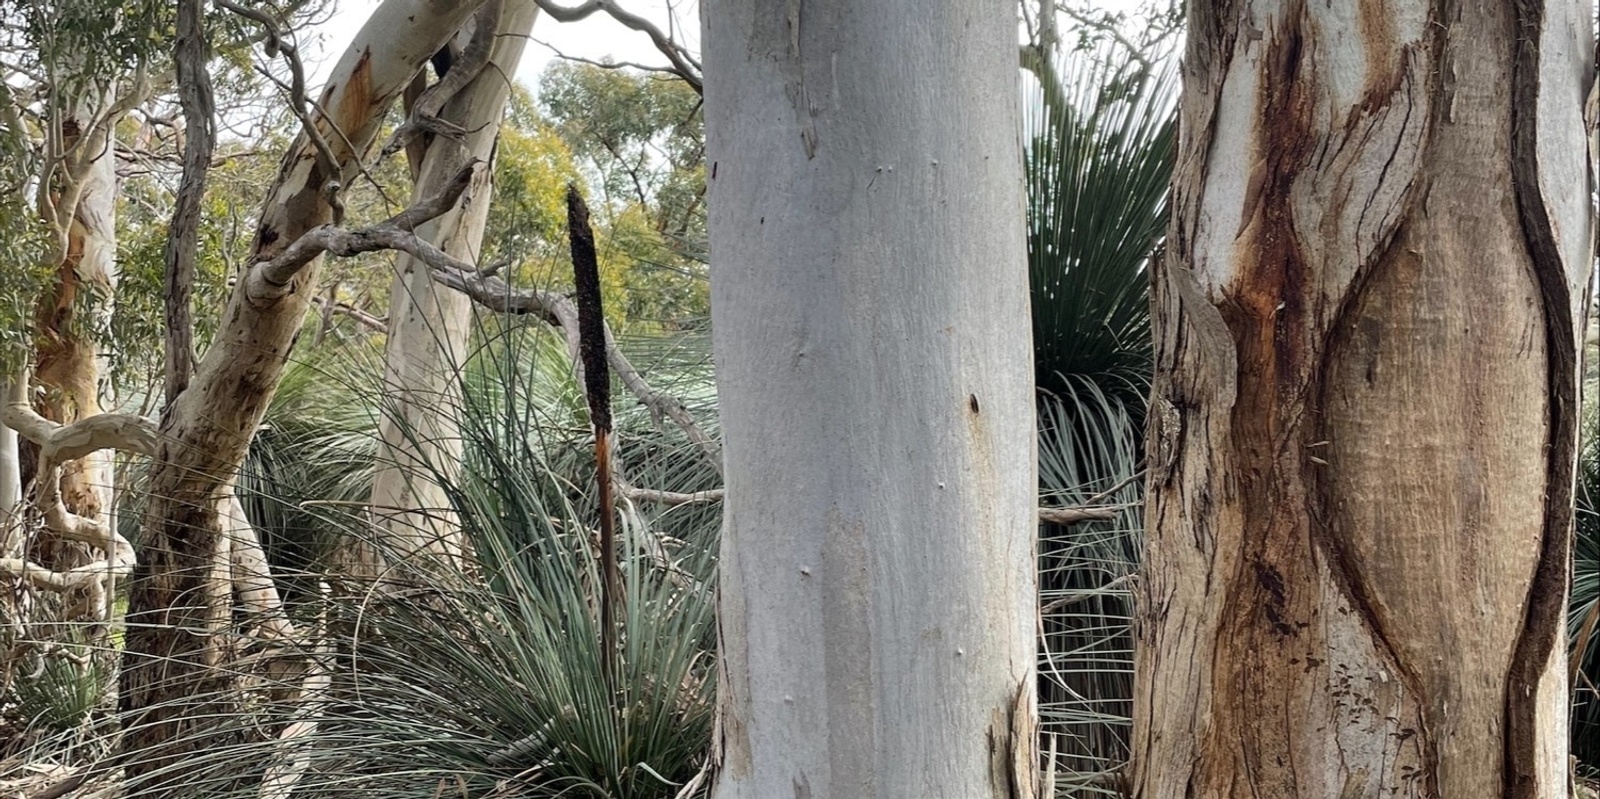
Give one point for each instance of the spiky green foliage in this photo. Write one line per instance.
(1584, 608)
(490, 684)
(61, 689)
(1099, 158)
(314, 456)
(497, 680)
(1088, 457)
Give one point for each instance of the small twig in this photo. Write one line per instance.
(671, 497)
(1079, 596)
(1076, 515)
(298, 98)
(1109, 28)
(331, 307)
(605, 64)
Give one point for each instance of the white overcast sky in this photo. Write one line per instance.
(596, 37)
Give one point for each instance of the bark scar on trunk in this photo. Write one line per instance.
(1013, 768)
(1547, 593)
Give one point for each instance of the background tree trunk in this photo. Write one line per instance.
(169, 680)
(870, 307)
(429, 325)
(67, 360)
(1364, 414)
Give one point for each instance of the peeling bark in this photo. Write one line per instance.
(1364, 416)
(66, 361)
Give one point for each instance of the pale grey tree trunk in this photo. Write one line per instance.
(429, 324)
(1365, 405)
(10, 482)
(870, 307)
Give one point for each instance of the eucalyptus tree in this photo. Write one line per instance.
(178, 619)
(870, 307)
(72, 72)
(450, 123)
(1364, 414)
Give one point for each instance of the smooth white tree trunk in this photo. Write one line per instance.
(429, 325)
(870, 315)
(10, 484)
(1364, 413)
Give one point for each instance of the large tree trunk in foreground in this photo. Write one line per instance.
(870, 306)
(1364, 415)
(169, 680)
(429, 325)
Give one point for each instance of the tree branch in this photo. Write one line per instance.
(494, 294)
(298, 98)
(180, 255)
(669, 497)
(271, 279)
(684, 65)
(58, 442)
(1076, 515)
(607, 64)
(377, 324)
(424, 116)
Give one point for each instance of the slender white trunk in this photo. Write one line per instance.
(429, 325)
(10, 484)
(870, 304)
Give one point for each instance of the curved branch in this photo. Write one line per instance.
(684, 65)
(670, 497)
(64, 442)
(494, 294)
(272, 279)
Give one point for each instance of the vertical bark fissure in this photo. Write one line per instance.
(1343, 564)
(1541, 625)
(1265, 307)
(1356, 195)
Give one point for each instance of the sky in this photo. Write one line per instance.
(594, 38)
